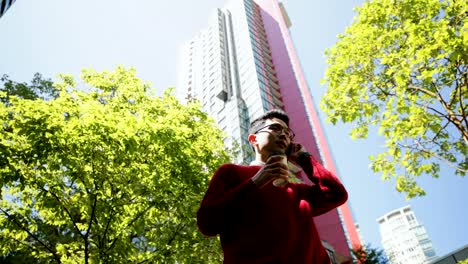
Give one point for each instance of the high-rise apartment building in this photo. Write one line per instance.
(244, 64)
(404, 240)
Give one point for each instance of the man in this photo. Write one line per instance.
(261, 222)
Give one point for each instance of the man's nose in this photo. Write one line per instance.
(284, 133)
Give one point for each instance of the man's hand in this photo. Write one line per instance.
(296, 150)
(273, 169)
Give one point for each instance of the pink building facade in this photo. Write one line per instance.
(336, 227)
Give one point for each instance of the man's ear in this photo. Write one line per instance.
(252, 139)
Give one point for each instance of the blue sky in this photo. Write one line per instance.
(54, 36)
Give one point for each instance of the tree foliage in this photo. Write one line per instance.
(402, 66)
(109, 173)
(369, 255)
(39, 88)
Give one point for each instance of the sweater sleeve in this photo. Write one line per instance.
(327, 192)
(224, 191)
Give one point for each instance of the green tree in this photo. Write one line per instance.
(39, 88)
(369, 255)
(109, 173)
(402, 66)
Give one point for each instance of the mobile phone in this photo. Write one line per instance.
(289, 150)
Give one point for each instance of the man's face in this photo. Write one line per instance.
(272, 137)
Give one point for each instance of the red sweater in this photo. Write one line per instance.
(271, 224)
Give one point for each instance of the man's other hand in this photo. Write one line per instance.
(273, 169)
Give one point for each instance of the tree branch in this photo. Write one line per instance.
(27, 244)
(139, 214)
(425, 91)
(432, 154)
(112, 244)
(56, 257)
(460, 96)
(438, 132)
(179, 227)
(107, 227)
(435, 111)
(171, 239)
(86, 237)
(452, 116)
(64, 208)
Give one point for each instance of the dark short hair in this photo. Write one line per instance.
(260, 121)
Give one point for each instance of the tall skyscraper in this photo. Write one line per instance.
(243, 65)
(404, 240)
(4, 5)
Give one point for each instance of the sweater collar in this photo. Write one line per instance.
(257, 163)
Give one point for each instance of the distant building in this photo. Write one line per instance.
(404, 240)
(4, 5)
(453, 257)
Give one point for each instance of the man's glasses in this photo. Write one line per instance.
(278, 129)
